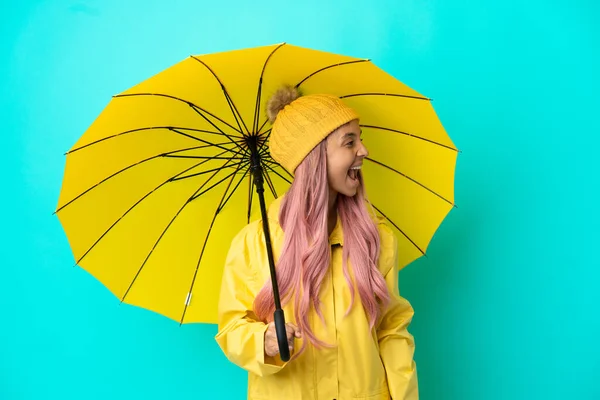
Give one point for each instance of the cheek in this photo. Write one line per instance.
(336, 169)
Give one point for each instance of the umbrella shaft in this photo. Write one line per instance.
(257, 172)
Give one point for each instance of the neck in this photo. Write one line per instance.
(332, 211)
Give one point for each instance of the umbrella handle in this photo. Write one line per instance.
(284, 350)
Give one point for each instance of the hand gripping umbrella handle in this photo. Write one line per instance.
(284, 350)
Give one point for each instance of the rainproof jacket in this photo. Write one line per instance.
(364, 364)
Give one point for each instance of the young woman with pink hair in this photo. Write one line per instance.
(336, 271)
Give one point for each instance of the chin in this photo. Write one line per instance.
(345, 189)
(349, 192)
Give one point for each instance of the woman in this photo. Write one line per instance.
(336, 269)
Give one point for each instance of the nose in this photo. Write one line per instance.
(362, 150)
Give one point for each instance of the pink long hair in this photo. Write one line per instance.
(305, 254)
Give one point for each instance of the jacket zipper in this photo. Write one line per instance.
(335, 323)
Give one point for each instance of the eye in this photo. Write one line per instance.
(350, 143)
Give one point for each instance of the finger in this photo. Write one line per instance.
(271, 328)
(273, 347)
(291, 340)
(272, 353)
(295, 330)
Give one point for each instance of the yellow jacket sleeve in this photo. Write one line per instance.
(396, 344)
(241, 334)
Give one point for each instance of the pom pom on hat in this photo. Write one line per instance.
(279, 100)
(300, 123)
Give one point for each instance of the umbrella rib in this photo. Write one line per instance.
(234, 109)
(267, 132)
(329, 67)
(189, 103)
(270, 184)
(259, 91)
(217, 211)
(196, 194)
(410, 179)
(220, 133)
(213, 144)
(188, 201)
(235, 188)
(216, 184)
(132, 207)
(408, 134)
(263, 142)
(211, 170)
(132, 166)
(250, 195)
(384, 94)
(206, 157)
(199, 112)
(235, 112)
(397, 227)
(267, 161)
(265, 158)
(169, 128)
(278, 174)
(263, 150)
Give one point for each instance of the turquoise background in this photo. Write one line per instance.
(506, 301)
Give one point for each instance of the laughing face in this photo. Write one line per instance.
(345, 154)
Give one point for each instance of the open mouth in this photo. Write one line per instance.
(354, 172)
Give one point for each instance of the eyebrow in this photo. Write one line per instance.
(350, 135)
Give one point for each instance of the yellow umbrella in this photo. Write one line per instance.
(159, 184)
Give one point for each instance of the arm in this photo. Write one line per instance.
(241, 334)
(396, 344)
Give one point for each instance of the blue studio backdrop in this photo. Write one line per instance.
(506, 301)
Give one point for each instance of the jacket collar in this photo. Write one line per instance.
(336, 237)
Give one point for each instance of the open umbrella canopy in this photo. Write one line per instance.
(156, 188)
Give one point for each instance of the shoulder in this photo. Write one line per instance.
(248, 235)
(252, 237)
(386, 233)
(388, 243)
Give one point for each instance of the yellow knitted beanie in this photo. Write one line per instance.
(300, 123)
